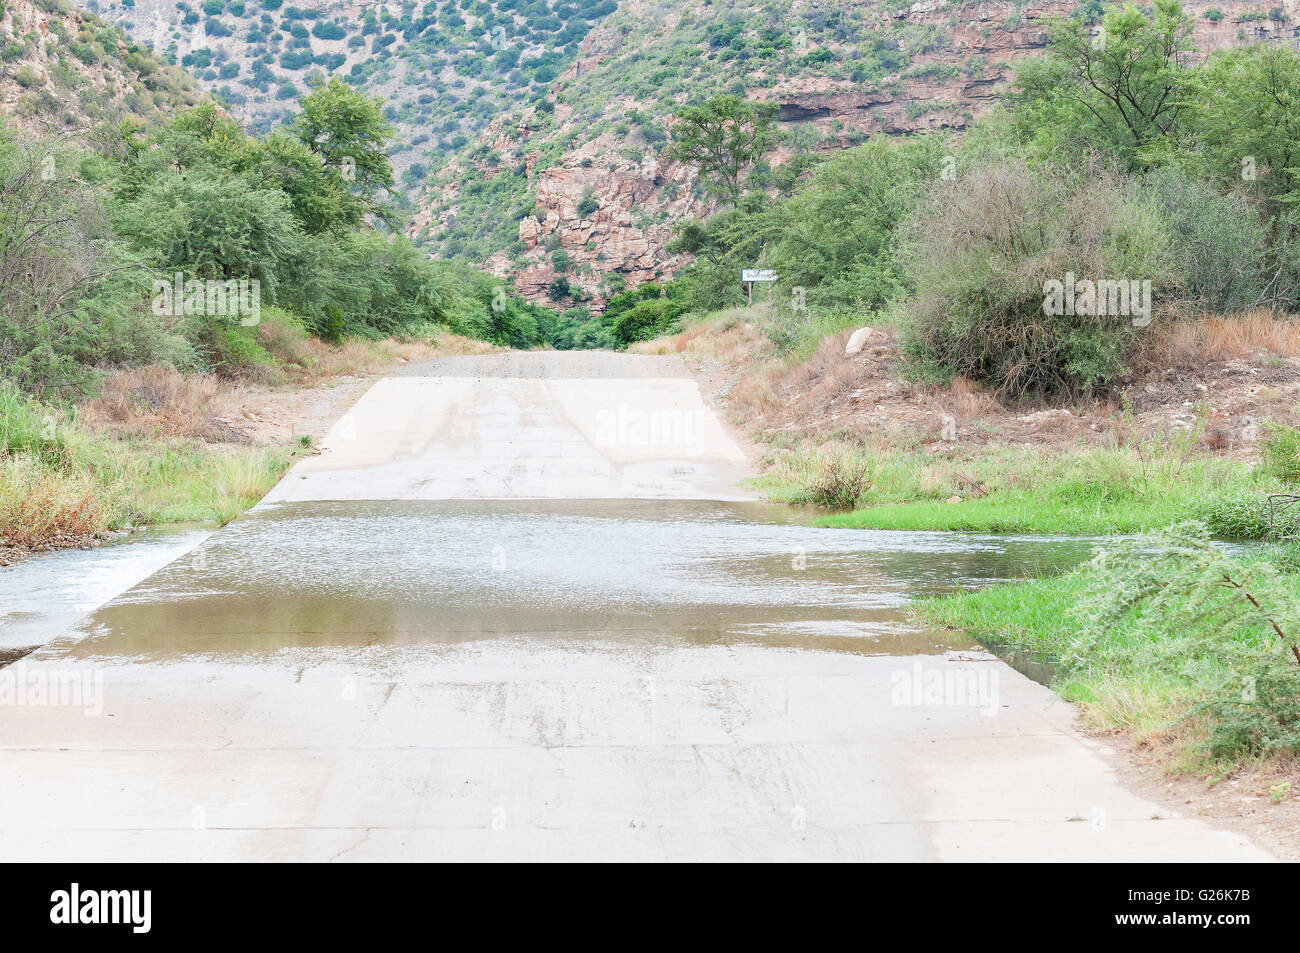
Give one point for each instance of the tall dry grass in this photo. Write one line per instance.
(157, 400)
(1216, 337)
(41, 505)
(730, 337)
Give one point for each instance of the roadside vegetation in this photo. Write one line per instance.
(1168, 637)
(114, 361)
(977, 399)
(63, 483)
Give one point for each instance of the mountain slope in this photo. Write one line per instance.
(67, 68)
(576, 186)
(445, 67)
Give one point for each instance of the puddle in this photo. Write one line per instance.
(625, 573)
(1038, 666)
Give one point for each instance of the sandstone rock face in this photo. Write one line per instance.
(623, 227)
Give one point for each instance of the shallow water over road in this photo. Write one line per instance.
(463, 662)
(629, 573)
(45, 595)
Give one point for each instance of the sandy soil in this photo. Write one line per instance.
(1241, 803)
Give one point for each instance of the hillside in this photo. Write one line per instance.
(445, 67)
(513, 115)
(66, 68)
(839, 72)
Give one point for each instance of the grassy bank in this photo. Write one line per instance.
(63, 482)
(1015, 489)
(154, 445)
(1167, 638)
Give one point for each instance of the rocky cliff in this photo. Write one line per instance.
(577, 189)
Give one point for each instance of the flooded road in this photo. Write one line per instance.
(45, 595)
(683, 675)
(638, 574)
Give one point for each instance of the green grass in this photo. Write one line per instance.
(61, 482)
(1169, 668)
(1019, 513)
(1086, 491)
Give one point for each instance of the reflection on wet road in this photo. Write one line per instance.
(651, 572)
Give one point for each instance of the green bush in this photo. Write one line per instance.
(1218, 242)
(646, 320)
(234, 352)
(983, 251)
(1235, 514)
(1177, 605)
(27, 426)
(1280, 449)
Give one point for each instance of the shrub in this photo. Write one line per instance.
(981, 252)
(1218, 242)
(1176, 604)
(646, 320)
(838, 478)
(27, 77)
(234, 352)
(1280, 448)
(327, 30)
(1235, 514)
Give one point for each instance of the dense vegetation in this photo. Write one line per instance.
(445, 67)
(1164, 636)
(87, 234)
(1191, 189)
(645, 61)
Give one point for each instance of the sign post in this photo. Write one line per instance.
(751, 275)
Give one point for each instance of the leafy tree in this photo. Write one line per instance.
(1122, 85)
(836, 236)
(349, 132)
(1246, 113)
(723, 138)
(318, 194)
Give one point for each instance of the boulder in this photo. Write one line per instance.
(859, 340)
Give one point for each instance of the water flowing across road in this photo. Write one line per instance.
(520, 609)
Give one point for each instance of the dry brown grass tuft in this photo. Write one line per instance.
(1220, 338)
(730, 338)
(42, 507)
(159, 400)
(966, 400)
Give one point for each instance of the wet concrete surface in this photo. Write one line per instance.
(47, 594)
(649, 573)
(520, 679)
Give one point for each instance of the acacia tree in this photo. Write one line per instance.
(723, 138)
(1247, 115)
(55, 249)
(348, 131)
(1123, 82)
